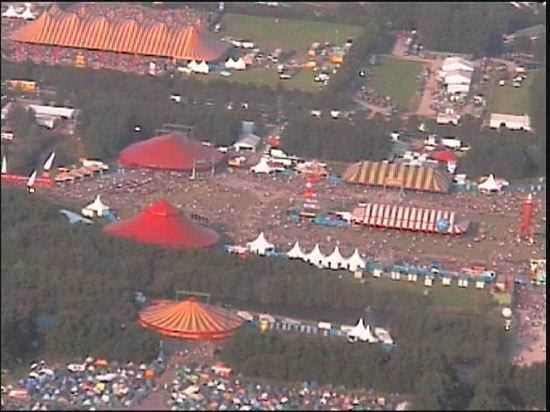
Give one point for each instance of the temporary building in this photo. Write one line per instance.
(262, 167)
(230, 63)
(457, 63)
(28, 14)
(240, 64)
(91, 29)
(362, 333)
(458, 77)
(97, 207)
(296, 252)
(260, 245)
(161, 224)
(409, 218)
(335, 260)
(172, 151)
(510, 121)
(189, 319)
(490, 185)
(445, 156)
(315, 257)
(398, 176)
(355, 262)
(455, 88)
(10, 12)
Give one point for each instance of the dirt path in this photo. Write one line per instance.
(372, 108)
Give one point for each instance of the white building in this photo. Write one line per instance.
(510, 121)
(457, 63)
(448, 118)
(458, 77)
(247, 143)
(54, 111)
(458, 88)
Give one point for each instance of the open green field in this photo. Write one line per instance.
(445, 298)
(266, 32)
(396, 78)
(261, 77)
(508, 99)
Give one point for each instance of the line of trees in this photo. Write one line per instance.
(423, 364)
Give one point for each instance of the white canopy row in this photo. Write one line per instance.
(333, 261)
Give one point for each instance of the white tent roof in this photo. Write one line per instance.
(358, 329)
(239, 64)
(10, 12)
(355, 261)
(490, 185)
(98, 206)
(335, 258)
(262, 167)
(27, 14)
(315, 256)
(296, 252)
(4, 165)
(260, 244)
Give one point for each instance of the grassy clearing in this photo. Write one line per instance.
(508, 99)
(286, 33)
(262, 77)
(397, 78)
(445, 298)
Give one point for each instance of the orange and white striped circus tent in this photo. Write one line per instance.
(189, 319)
(147, 37)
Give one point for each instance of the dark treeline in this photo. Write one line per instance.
(461, 27)
(423, 364)
(71, 272)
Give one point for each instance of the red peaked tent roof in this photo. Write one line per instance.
(443, 156)
(161, 224)
(171, 151)
(189, 320)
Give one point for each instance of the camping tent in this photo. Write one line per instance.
(296, 252)
(161, 224)
(335, 260)
(315, 257)
(96, 207)
(189, 319)
(491, 185)
(355, 262)
(260, 245)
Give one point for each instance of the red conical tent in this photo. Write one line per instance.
(443, 156)
(161, 224)
(171, 151)
(189, 319)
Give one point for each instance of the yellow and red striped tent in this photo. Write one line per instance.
(122, 35)
(189, 319)
(398, 176)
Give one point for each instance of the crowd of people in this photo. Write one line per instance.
(93, 384)
(531, 308)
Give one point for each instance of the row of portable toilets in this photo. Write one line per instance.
(264, 325)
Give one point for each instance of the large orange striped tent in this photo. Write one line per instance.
(189, 319)
(87, 30)
(398, 175)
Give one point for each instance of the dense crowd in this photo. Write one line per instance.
(196, 387)
(90, 385)
(531, 308)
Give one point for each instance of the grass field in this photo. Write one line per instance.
(286, 34)
(445, 298)
(396, 78)
(508, 99)
(261, 77)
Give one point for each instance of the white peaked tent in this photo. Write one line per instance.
(10, 12)
(260, 245)
(4, 165)
(32, 178)
(27, 13)
(239, 64)
(315, 257)
(362, 333)
(192, 65)
(296, 252)
(202, 67)
(368, 336)
(335, 260)
(230, 63)
(96, 207)
(262, 167)
(490, 185)
(355, 262)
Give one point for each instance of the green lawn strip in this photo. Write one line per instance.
(266, 32)
(510, 100)
(396, 78)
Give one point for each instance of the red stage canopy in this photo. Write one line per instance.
(161, 224)
(189, 319)
(443, 156)
(172, 151)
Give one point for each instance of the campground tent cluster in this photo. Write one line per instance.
(397, 175)
(161, 224)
